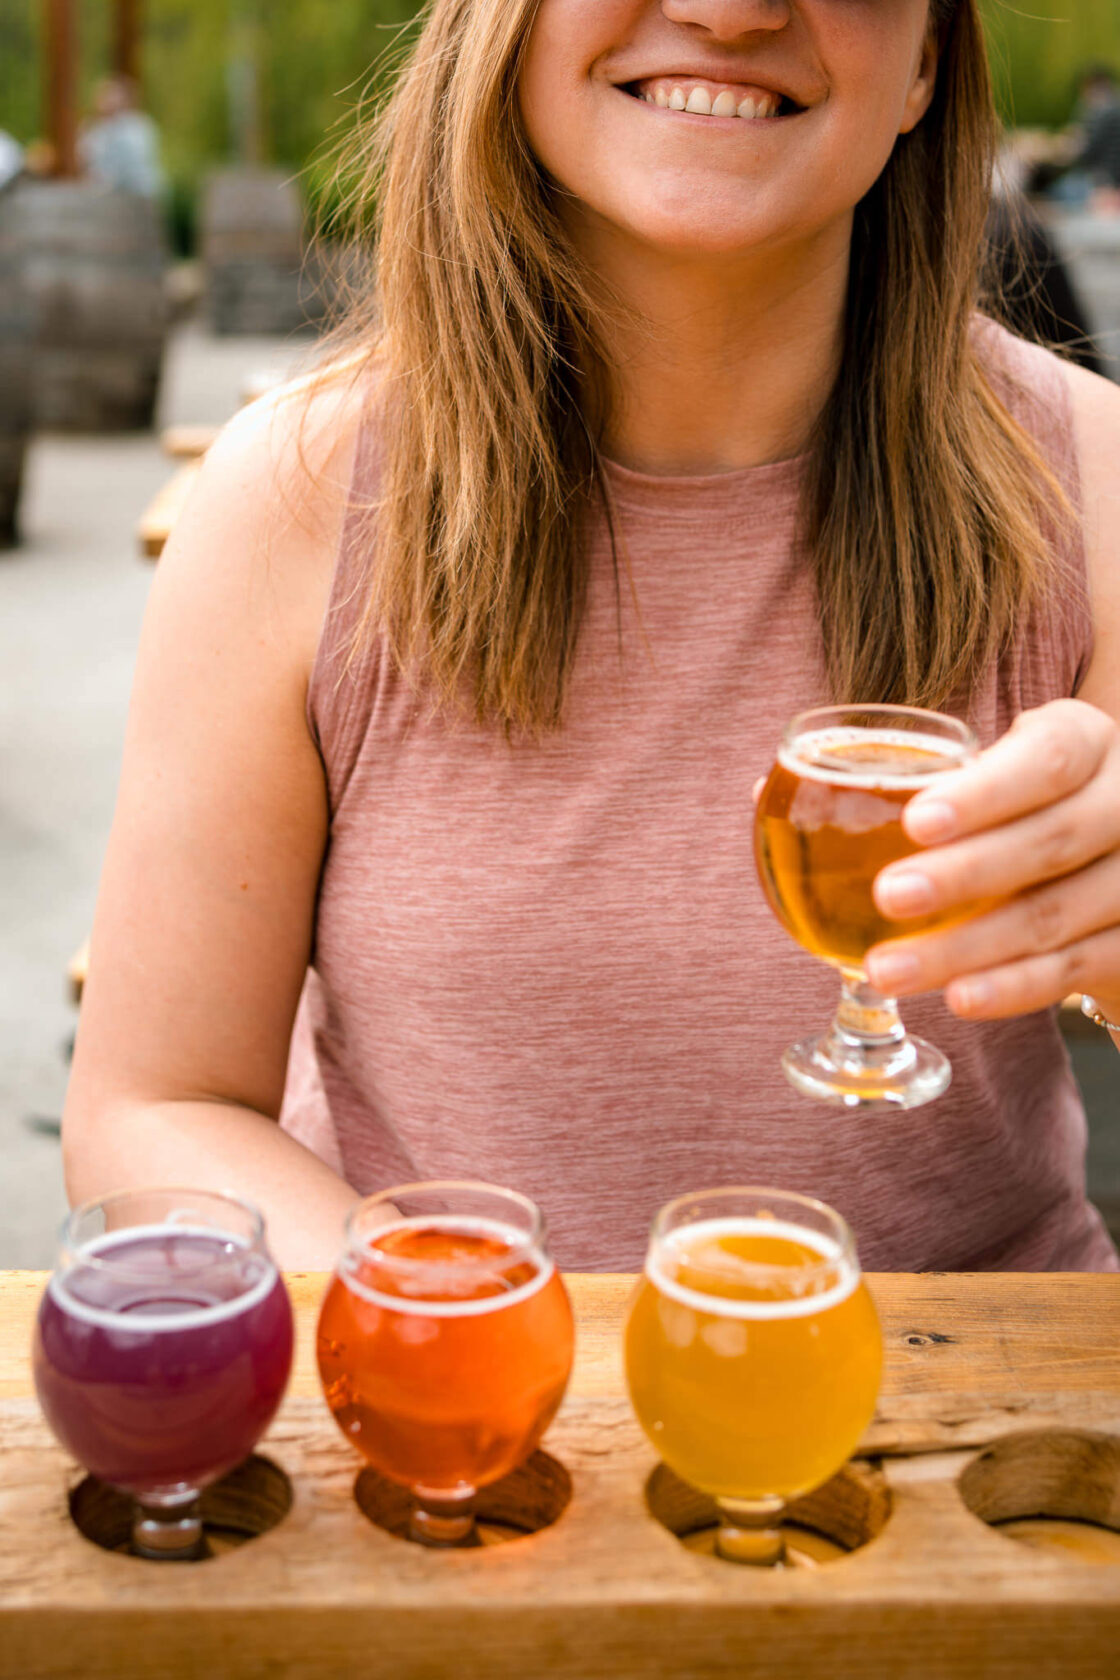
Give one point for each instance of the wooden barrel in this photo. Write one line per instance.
(253, 253)
(95, 262)
(15, 375)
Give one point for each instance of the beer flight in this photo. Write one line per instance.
(753, 1354)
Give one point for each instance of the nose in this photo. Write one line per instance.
(727, 20)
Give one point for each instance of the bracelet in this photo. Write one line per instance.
(1089, 1008)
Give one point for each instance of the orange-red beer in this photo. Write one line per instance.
(445, 1370)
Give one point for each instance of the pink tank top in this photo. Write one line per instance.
(552, 967)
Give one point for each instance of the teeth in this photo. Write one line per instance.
(700, 103)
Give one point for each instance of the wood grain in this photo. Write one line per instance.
(607, 1591)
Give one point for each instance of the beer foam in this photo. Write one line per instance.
(140, 1322)
(803, 758)
(415, 1306)
(678, 1244)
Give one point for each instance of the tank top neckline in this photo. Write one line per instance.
(711, 491)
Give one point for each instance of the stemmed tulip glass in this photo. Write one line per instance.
(753, 1355)
(445, 1344)
(162, 1349)
(828, 820)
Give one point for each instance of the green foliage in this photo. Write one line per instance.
(19, 90)
(1039, 50)
(312, 58)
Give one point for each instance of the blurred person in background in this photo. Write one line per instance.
(670, 415)
(1094, 168)
(120, 145)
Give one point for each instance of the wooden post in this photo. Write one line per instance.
(127, 19)
(61, 49)
(243, 80)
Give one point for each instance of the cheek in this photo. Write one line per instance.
(567, 39)
(874, 51)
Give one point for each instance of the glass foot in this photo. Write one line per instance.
(835, 1070)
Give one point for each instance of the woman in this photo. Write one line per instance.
(459, 669)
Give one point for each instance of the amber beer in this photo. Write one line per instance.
(829, 819)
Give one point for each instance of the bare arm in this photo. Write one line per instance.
(205, 914)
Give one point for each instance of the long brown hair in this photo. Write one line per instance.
(926, 508)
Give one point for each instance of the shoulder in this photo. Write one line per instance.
(300, 438)
(263, 526)
(1096, 425)
(1028, 379)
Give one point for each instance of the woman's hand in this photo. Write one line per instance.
(1034, 822)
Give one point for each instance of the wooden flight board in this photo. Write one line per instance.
(1001, 1397)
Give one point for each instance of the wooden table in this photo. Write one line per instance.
(1006, 1387)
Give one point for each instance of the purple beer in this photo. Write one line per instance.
(162, 1350)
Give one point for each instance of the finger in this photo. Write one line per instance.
(1048, 844)
(756, 791)
(1045, 755)
(1019, 988)
(1048, 919)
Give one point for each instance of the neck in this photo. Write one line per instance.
(719, 364)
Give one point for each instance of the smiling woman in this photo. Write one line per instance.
(671, 415)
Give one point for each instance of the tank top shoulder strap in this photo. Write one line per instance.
(1031, 383)
(347, 661)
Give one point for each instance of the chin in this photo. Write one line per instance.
(703, 231)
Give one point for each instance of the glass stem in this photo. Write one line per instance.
(750, 1531)
(865, 1020)
(443, 1519)
(169, 1531)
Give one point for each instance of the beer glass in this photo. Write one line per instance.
(753, 1354)
(829, 819)
(162, 1350)
(445, 1344)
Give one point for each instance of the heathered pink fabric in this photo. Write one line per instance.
(552, 966)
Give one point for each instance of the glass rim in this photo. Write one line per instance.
(532, 1243)
(822, 717)
(72, 1249)
(660, 1231)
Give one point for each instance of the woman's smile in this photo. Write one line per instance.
(698, 96)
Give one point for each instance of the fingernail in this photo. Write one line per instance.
(929, 820)
(892, 970)
(906, 893)
(972, 996)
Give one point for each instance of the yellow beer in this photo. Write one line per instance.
(753, 1351)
